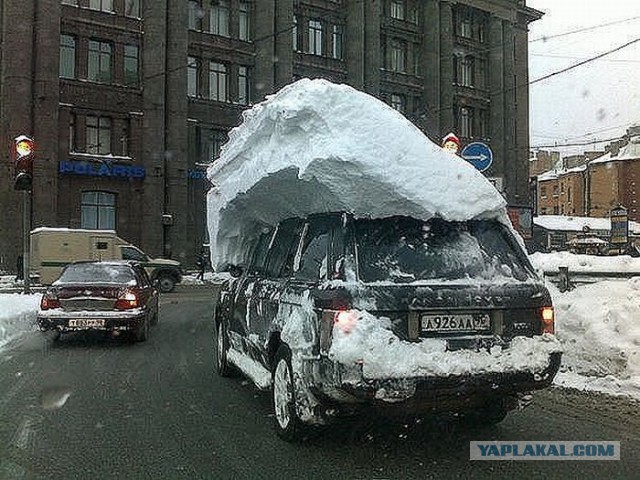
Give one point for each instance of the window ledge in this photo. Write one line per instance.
(98, 157)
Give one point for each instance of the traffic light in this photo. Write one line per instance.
(24, 152)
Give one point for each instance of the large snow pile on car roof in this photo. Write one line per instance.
(318, 147)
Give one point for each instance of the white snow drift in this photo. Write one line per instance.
(317, 147)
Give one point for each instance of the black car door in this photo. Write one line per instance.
(263, 304)
(244, 288)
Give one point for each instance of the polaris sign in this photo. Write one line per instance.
(102, 169)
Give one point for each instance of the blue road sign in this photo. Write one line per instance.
(478, 154)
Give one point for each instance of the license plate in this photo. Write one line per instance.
(87, 322)
(455, 323)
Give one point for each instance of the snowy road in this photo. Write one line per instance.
(90, 408)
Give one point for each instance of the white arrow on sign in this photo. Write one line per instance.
(480, 157)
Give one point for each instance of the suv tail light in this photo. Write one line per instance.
(346, 320)
(49, 301)
(128, 299)
(547, 318)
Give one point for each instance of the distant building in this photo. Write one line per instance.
(557, 232)
(595, 187)
(129, 100)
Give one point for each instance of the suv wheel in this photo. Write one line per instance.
(288, 424)
(492, 413)
(222, 347)
(165, 283)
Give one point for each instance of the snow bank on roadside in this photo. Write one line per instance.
(17, 315)
(317, 147)
(599, 327)
(549, 262)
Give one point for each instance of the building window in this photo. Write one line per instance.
(244, 86)
(469, 71)
(338, 45)
(543, 192)
(555, 190)
(98, 210)
(72, 132)
(481, 127)
(464, 70)
(399, 102)
(294, 31)
(464, 23)
(219, 17)
(98, 135)
(124, 138)
(131, 77)
(195, 15)
(416, 59)
(244, 21)
(210, 142)
(315, 37)
(193, 82)
(398, 57)
(470, 23)
(67, 56)
(99, 69)
(556, 210)
(465, 126)
(414, 13)
(479, 72)
(132, 8)
(397, 9)
(218, 82)
(102, 5)
(569, 194)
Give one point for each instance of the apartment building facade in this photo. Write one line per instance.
(595, 188)
(130, 100)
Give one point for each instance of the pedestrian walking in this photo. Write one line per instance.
(201, 263)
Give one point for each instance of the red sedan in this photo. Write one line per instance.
(114, 297)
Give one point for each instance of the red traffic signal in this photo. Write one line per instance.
(24, 147)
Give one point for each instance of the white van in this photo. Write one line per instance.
(53, 248)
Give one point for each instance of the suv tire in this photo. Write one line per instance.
(166, 283)
(221, 348)
(492, 413)
(287, 422)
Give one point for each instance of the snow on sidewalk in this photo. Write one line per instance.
(17, 315)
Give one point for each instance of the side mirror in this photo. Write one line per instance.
(235, 270)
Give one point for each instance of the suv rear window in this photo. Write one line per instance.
(402, 250)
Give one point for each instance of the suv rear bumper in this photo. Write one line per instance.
(334, 384)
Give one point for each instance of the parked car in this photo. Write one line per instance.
(115, 297)
(466, 288)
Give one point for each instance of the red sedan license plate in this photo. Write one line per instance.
(455, 323)
(87, 322)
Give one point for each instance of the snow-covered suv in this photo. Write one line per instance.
(337, 313)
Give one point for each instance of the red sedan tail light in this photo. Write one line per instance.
(49, 301)
(127, 300)
(547, 317)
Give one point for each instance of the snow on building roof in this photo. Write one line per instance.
(577, 224)
(631, 151)
(317, 147)
(557, 173)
